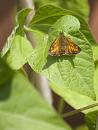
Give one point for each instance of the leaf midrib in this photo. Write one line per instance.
(36, 21)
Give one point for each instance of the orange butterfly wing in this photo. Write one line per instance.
(63, 46)
(71, 47)
(55, 48)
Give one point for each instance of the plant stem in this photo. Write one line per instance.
(79, 110)
(97, 123)
(39, 81)
(61, 105)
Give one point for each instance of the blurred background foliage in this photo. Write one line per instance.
(82, 8)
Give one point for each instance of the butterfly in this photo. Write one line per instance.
(63, 45)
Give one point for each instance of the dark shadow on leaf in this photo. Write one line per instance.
(6, 75)
(53, 59)
(50, 60)
(5, 90)
(96, 64)
(68, 58)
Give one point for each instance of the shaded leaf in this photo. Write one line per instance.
(22, 15)
(82, 8)
(21, 18)
(21, 107)
(5, 72)
(73, 5)
(97, 123)
(49, 14)
(91, 119)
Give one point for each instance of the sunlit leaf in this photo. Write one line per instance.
(71, 71)
(19, 51)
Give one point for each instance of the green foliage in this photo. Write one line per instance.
(22, 108)
(49, 14)
(74, 77)
(77, 6)
(5, 72)
(18, 30)
(8, 43)
(38, 56)
(72, 72)
(95, 56)
(19, 52)
(73, 5)
(91, 119)
(22, 15)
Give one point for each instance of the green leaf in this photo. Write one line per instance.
(22, 108)
(79, 7)
(39, 54)
(96, 80)
(82, 101)
(38, 57)
(75, 80)
(18, 29)
(73, 5)
(35, 57)
(68, 24)
(49, 14)
(68, 95)
(8, 42)
(91, 119)
(71, 71)
(59, 68)
(21, 18)
(19, 52)
(22, 15)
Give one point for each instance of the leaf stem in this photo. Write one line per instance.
(40, 82)
(61, 105)
(65, 115)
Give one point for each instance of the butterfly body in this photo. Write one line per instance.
(63, 46)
